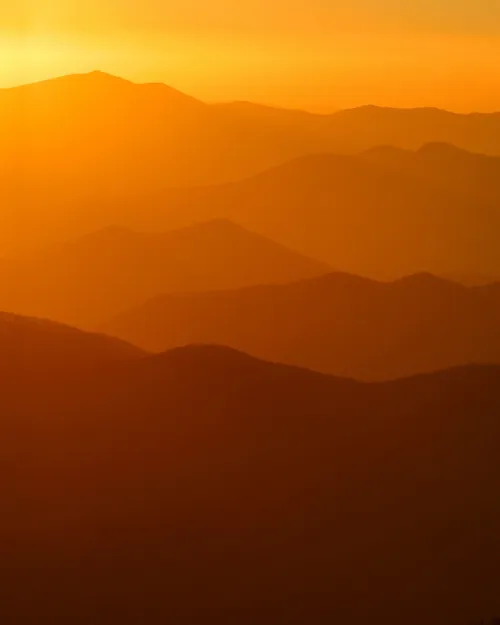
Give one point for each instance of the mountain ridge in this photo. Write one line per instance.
(89, 277)
(127, 482)
(151, 139)
(345, 325)
(104, 76)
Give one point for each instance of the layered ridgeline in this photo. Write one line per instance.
(473, 174)
(152, 130)
(203, 485)
(45, 347)
(339, 323)
(354, 212)
(86, 279)
(73, 150)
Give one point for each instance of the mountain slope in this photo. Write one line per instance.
(86, 279)
(475, 175)
(83, 141)
(307, 498)
(44, 346)
(340, 324)
(358, 216)
(370, 126)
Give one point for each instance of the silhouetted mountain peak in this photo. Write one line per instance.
(225, 366)
(340, 279)
(208, 353)
(386, 112)
(95, 78)
(229, 234)
(103, 76)
(156, 90)
(441, 148)
(427, 280)
(218, 227)
(309, 169)
(204, 358)
(433, 151)
(97, 84)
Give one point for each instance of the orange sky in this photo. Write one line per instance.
(319, 54)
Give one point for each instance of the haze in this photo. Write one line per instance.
(250, 312)
(321, 55)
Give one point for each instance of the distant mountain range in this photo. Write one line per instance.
(87, 279)
(267, 493)
(71, 146)
(474, 175)
(339, 324)
(270, 425)
(356, 213)
(76, 113)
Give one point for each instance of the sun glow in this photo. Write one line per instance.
(318, 74)
(35, 57)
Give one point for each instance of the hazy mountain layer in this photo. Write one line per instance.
(359, 216)
(84, 280)
(339, 324)
(70, 147)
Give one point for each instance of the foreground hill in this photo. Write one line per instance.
(340, 324)
(91, 277)
(359, 216)
(204, 486)
(82, 141)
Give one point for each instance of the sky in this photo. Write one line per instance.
(315, 54)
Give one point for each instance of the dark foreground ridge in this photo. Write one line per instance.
(203, 485)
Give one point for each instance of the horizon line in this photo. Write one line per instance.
(245, 102)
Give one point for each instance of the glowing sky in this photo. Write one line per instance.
(322, 54)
